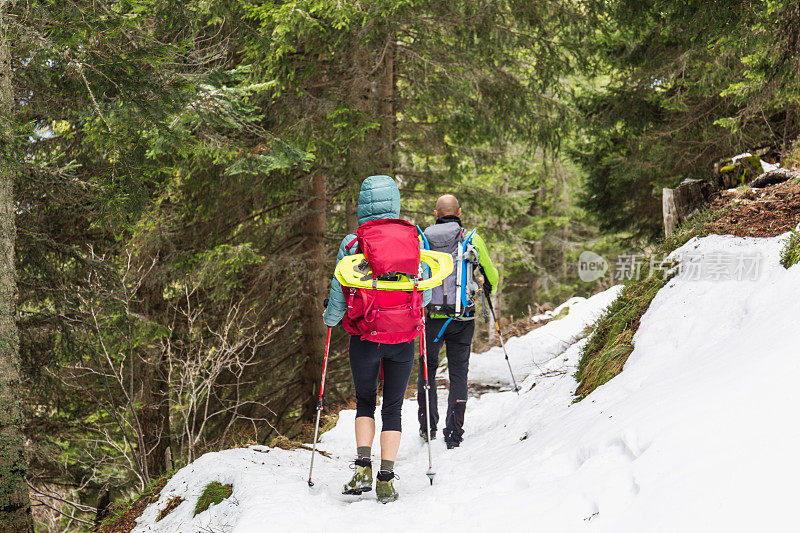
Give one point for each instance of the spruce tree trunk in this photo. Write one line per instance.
(385, 108)
(153, 371)
(374, 95)
(313, 287)
(15, 505)
(351, 214)
(154, 413)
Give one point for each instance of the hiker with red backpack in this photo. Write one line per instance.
(451, 315)
(382, 325)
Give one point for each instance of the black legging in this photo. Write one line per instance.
(457, 337)
(365, 364)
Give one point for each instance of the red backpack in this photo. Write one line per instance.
(391, 247)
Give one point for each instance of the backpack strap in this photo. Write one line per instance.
(370, 312)
(415, 299)
(423, 238)
(468, 240)
(351, 243)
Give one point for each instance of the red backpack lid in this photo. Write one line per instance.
(390, 245)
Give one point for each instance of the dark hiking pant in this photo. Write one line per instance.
(365, 365)
(458, 339)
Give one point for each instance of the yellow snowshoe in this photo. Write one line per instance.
(354, 271)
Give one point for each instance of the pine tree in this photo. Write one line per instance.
(15, 507)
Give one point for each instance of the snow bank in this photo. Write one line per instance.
(698, 433)
(528, 352)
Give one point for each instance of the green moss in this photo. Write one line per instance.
(213, 494)
(754, 162)
(744, 169)
(751, 168)
(790, 255)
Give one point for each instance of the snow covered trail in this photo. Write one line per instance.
(699, 433)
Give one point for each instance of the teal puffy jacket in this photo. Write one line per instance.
(379, 198)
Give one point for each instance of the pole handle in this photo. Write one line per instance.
(325, 365)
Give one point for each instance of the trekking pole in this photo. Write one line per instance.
(319, 406)
(424, 351)
(500, 336)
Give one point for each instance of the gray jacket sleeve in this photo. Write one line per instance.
(337, 305)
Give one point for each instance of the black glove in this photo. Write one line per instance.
(487, 287)
(325, 302)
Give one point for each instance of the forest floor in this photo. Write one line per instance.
(696, 434)
(763, 212)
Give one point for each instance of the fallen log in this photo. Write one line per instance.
(779, 175)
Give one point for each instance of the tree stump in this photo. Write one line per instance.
(683, 202)
(103, 505)
(669, 210)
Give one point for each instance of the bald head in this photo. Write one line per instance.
(447, 205)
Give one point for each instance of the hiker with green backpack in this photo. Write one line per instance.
(382, 325)
(451, 315)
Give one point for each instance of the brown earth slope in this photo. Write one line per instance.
(763, 212)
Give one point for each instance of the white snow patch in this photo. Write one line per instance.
(769, 167)
(698, 433)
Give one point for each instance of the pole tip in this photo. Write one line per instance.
(310, 483)
(431, 474)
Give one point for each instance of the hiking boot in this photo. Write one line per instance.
(362, 478)
(385, 487)
(424, 434)
(452, 444)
